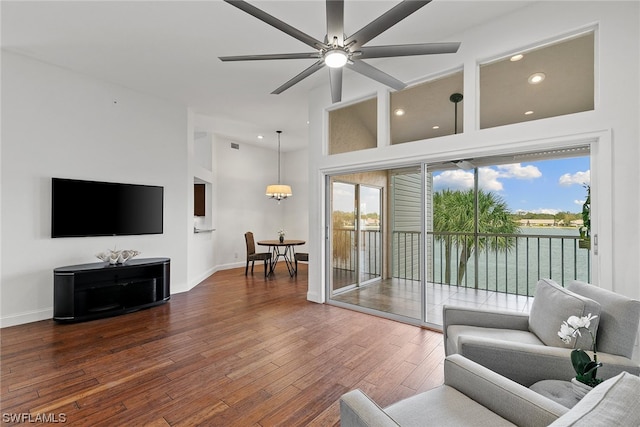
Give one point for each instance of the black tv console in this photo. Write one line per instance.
(91, 291)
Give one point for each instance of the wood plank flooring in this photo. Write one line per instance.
(234, 351)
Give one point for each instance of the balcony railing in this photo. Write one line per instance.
(344, 251)
(515, 270)
(529, 257)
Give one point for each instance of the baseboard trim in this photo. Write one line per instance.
(195, 282)
(315, 297)
(231, 265)
(46, 314)
(26, 317)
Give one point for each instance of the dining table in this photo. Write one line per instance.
(282, 249)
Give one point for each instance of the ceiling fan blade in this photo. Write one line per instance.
(275, 22)
(335, 21)
(312, 55)
(384, 22)
(335, 79)
(376, 74)
(306, 73)
(407, 50)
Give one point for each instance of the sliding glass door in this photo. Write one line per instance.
(482, 231)
(374, 241)
(356, 235)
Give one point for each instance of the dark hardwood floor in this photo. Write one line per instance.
(234, 351)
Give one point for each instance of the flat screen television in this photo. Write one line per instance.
(91, 208)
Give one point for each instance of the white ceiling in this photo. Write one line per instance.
(170, 49)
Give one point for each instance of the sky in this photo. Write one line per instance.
(549, 186)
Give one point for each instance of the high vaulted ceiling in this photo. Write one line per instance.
(170, 49)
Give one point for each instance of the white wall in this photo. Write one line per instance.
(296, 221)
(56, 123)
(614, 123)
(241, 204)
(201, 255)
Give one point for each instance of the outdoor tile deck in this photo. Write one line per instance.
(402, 298)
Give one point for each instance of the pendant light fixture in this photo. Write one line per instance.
(278, 191)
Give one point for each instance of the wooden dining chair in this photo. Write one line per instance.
(252, 256)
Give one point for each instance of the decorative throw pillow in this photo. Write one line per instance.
(619, 318)
(615, 402)
(553, 305)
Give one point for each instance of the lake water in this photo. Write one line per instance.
(544, 252)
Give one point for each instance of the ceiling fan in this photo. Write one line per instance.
(338, 50)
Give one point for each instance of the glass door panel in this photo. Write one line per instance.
(369, 243)
(343, 236)
(500, 226)
(369, 210)
(356, 228)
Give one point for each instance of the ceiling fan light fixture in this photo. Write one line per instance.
(339, 49)
(336, 58)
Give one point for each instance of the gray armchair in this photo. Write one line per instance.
(472, 395)
(527, 349)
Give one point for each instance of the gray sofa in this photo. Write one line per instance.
(527, 348)
(472, 395)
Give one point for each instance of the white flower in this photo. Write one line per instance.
(571, 328)
(574, 321)
(566, 333)
(580, 322)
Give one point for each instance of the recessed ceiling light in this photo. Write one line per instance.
(517, 57)
(260, 136)
(528, 113)
(536, 78)
(436, 127)
(398, 112)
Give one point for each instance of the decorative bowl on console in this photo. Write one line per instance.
(117, 257)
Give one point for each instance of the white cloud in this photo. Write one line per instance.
(538, 211)
(516, 170)
(454, 179)
(488, 178)
(579, 178)
(579, 202)
(545, 211)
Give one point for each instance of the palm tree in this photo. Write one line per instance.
(453, 212)
(342, 242)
